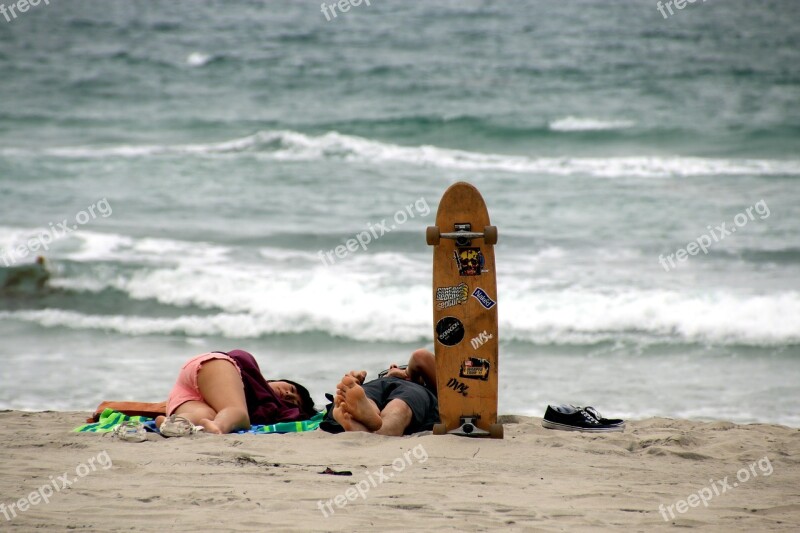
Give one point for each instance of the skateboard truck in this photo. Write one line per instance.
(468, 428)
(463, 235)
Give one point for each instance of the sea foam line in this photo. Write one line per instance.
(285, 145)
(570, 317)
(588, 124)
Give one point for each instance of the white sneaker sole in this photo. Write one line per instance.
(563, 427)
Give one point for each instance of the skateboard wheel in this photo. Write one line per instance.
(490, 234)
(496, 431)
(439, 429)
(432, 235)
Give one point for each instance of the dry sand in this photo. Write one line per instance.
(534, 480)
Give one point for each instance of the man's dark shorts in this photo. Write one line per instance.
(424, 405)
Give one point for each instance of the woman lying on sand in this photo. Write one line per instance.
(225, 392)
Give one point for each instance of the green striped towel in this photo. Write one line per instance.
(109, 419)
(289, 427)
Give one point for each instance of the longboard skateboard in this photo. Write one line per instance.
(465, 314)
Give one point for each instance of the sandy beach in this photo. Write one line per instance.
(533, 480)
(179, 178)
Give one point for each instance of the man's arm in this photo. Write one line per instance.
(422, 369)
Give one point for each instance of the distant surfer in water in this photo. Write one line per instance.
(225, 392)
(25, 278)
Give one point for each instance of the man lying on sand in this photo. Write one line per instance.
(399, 402)
(225, 392)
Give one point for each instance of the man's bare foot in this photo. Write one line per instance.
(354, 409)
(345, 419)
(360, 375)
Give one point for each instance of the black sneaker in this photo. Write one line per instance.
(571, 418)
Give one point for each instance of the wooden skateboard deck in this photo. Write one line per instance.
(465, 314)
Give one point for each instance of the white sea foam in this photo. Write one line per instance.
(580, 316)
(285, 145)
(588, 124)
(95, 247)
(385, 296)
(197, 59)
(250, 302)
(296, 146)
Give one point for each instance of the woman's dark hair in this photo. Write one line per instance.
(306, 402)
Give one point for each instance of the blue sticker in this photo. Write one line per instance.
(483, 298)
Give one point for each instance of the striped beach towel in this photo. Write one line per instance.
(110, 419)
(288, 427)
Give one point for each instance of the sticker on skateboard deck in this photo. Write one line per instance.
(449, 331)
(457, 386)
(475, 368)
(451, 296)
(482, 338)
(483, 298)
(469, 260)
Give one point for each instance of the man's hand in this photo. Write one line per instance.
(397, 372)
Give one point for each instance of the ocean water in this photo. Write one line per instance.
(189, 164)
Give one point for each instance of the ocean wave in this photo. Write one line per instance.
(381, 296)
(442, 126)
(588, 124)
(402, 314)
(229, 325)
(285, 145)
(720, 317)
(93, 247)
